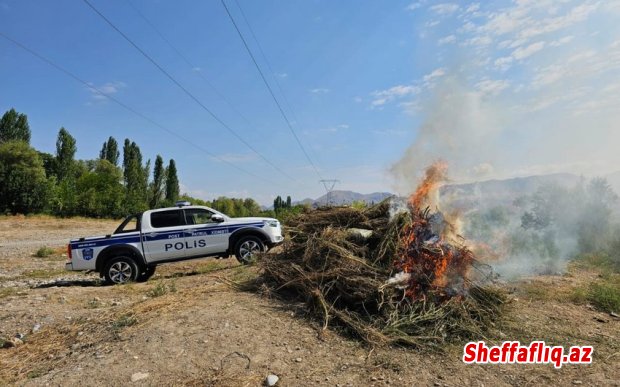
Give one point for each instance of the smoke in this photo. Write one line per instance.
(461, 127)
(558, 116)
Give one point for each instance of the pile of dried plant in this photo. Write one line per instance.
(347, 265)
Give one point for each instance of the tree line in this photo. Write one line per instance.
(32, 181)
(109, 186)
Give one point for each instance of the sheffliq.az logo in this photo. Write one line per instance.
(511, 352)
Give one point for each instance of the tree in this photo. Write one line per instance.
(157, 185)
(172, 183)
(110, 151)
(100, 192)
(14, 126)
(65, 153)
(288, 202)
(23, 185)
(135, 177)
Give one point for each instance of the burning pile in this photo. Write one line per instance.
(403, 278)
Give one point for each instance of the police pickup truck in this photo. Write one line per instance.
(145, 240)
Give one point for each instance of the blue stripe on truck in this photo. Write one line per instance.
(120, 239)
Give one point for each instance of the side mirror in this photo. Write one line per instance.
(217, 218)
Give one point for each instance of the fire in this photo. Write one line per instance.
(435, 263)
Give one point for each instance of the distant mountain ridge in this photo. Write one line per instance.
(492, 192)
(339, 197)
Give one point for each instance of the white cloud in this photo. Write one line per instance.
(561, 41)
(281, 75)
(413, 6)
(381, 97)
(472, 8)
(335, 128)
(319, 91)
(444, 8)
(503, 63)
(438, 72)
(523, 52)
(492, 87)
(197, 69)
(482, 40)
(447, 39)
(99, 93)
(431, 23)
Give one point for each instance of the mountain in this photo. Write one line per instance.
(501, 192)
(338, 197)
(489, 192)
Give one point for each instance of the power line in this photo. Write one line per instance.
(270, 90)
(188, 62)
(185, 90)
(262, 53)
(125, 106)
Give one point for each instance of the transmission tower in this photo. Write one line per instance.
(329, 185)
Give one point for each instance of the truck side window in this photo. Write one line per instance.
(130, 224)
(170, 218)
(198, 216)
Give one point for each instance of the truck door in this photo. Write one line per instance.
(204, 236)
(165, 239)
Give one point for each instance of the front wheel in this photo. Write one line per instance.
(121, 270)
(247, 248)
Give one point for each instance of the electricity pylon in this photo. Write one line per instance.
(329, 187)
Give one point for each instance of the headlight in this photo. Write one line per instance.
(272, 223)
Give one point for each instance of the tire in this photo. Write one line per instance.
(121, 270)
(247, 247)
(146, 274)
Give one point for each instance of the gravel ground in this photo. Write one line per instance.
(186, 326)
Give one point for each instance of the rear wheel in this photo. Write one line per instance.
(247, 248)
(120, 270)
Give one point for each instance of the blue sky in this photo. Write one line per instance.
(377, 89)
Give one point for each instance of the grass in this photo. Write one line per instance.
(162, 288)
(44, 252)
(126, 320)
(7, 292)
(605, 295)
(604, 291)
(42, 273)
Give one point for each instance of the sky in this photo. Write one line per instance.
(374, 90)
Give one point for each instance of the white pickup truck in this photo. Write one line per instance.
(145, 240)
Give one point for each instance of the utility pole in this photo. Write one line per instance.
(329, 187)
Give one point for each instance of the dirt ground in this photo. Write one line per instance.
(188, 326)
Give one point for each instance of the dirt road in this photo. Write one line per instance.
(187, 326)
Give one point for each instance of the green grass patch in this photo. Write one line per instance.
(602, 262)
(42, 273)
(162, 288)
(605, 295)
(44, 252)
(7, 292)
(126, 320)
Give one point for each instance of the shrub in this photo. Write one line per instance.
(44, 252)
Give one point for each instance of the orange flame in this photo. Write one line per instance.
(437, 267)
(434, 176)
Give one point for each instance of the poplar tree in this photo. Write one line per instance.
(172, 183)
(14, 127)
(110, 151)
